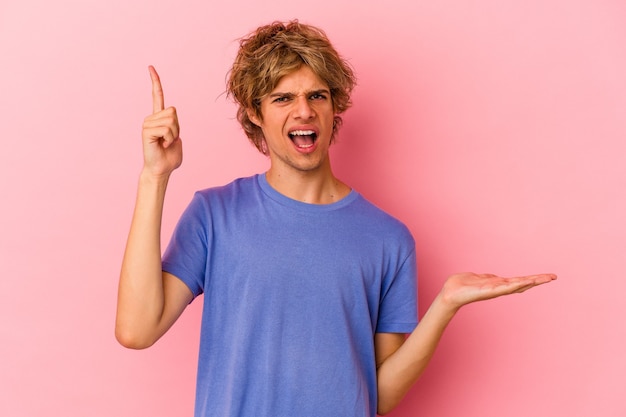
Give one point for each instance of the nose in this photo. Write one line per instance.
(303, 109)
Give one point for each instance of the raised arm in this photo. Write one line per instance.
(149, 301)
(401, 362)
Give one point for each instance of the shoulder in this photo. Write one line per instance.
(237, 186)
(221, 198)
(367, 218)
(374, 213)
(239, 191)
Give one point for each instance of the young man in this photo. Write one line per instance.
(308, 288)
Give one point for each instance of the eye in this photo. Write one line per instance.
(318, 96)
(281, 99)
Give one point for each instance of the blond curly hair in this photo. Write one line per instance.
(275, 50)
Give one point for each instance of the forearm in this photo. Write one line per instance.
(400, 370)
(141, 295)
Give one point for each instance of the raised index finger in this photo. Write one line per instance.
(158, 103)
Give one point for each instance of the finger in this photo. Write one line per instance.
(161, 134)
(525, 288)
(150, 126)
(539, 278)
(176, 141)
(167, 118)
(169, 112)
(158, 102)
(531, 281)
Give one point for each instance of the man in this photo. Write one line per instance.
(309, 290)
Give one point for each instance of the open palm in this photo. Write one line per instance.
(468, 287)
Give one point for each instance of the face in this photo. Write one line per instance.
(297, 122)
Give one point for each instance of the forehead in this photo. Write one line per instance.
(302, 79)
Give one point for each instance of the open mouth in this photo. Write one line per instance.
(303, 138)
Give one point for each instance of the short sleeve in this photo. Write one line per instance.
(186, 255)
(398, 305)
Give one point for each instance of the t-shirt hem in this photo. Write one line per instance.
(182, 275)
(396, 327)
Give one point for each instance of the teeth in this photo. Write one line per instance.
(302, 133)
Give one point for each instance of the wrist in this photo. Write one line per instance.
(146, 177)
(445, 304)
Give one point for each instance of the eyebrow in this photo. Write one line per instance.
(308, 93)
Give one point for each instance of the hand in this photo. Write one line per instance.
(465, 288)
(162, 147)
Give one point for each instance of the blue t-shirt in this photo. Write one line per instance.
(293, 295)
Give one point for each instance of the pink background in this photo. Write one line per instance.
(495, 130)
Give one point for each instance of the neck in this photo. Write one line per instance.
(308, 187)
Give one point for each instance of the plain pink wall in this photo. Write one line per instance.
(495, 130)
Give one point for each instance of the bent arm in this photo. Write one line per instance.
(149, 300)
(401, 363)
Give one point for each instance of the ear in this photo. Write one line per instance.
(253, 117)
